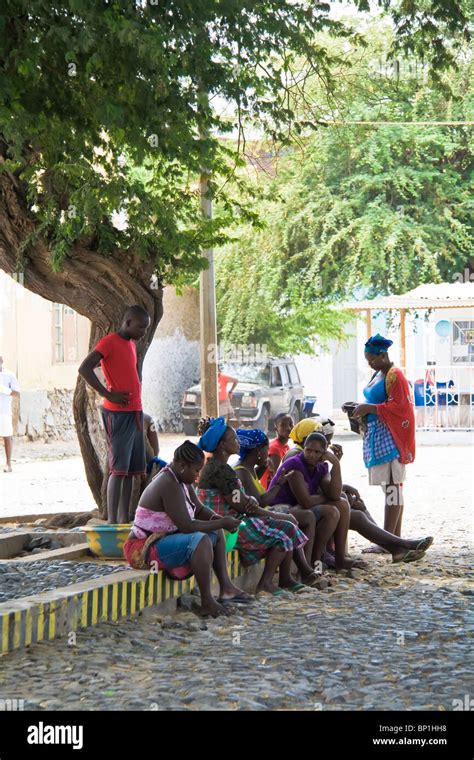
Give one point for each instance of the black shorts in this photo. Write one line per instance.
(125, 442)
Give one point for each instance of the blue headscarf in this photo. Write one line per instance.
(250, 439)
(215, 432)
(377, 344)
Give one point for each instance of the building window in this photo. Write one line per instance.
(463, 342)
(65, 348)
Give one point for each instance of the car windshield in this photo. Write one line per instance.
(248, 373)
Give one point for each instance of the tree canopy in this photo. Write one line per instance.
(373, 208)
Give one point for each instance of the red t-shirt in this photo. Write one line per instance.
(275, 447)
(119, 365)
(223, 382)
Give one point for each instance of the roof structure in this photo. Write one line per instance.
(444, 295)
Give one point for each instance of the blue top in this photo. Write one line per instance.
(379, 446)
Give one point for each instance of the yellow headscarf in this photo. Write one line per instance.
(304, 428)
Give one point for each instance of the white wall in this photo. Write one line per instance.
(316, 373)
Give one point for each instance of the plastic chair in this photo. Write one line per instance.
(446, 398)
(423, 395)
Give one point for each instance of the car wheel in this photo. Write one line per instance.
(190, 427)
(296, 413)
(262, 421)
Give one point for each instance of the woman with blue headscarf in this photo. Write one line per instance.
(389, 436)
(271, 536)
(254, 446)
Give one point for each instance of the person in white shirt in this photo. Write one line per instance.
(8, 387)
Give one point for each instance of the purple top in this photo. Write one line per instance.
(312, 479)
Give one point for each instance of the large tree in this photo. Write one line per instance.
(375, 207)
(113, 105)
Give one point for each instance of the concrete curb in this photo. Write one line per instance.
(60, 612)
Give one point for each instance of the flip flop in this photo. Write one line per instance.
(277, 592)
(424, 544)
(295, 588)
(239, 599)
(412, 555)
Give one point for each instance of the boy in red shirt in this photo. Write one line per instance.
(278, 447)
(122, 409)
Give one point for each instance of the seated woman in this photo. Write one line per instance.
(277, 448)
(363, 523)
(265, 534)
(173, 531)
(299, 433)
(313, 487)
(254, 451)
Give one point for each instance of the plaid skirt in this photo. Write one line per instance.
(259, 534)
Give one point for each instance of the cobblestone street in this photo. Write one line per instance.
(393, 637)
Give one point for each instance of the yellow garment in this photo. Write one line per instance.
(255, 480)
(304, 428)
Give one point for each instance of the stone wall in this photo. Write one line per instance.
(45, 415)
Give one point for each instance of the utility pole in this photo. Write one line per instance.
(208, 322)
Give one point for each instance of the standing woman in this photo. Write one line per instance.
(389, 440)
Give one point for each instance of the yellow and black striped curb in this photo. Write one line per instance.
(119, 595)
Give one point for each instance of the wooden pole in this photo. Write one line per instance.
(369, 323)
(208, 321)
(403, 347)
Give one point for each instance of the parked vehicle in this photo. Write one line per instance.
(263, 391)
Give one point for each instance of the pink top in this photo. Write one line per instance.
(147, 521)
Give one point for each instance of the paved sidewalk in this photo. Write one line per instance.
(396, 637)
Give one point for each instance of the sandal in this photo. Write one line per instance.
(424, 544)
(242, 598)
(412, 555)
(295, 588)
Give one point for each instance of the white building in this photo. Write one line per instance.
(432, 328)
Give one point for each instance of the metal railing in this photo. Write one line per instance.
(443, 396)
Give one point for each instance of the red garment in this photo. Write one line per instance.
(280, 449)
(398, 414)
(223, 381)
(119, 365)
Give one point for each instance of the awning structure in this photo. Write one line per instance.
(452, 295)
(430, 296)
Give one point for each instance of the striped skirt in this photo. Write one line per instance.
(259, 534)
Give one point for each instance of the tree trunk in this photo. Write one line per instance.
(97, 286)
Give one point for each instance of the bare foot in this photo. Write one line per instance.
(214, 609)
